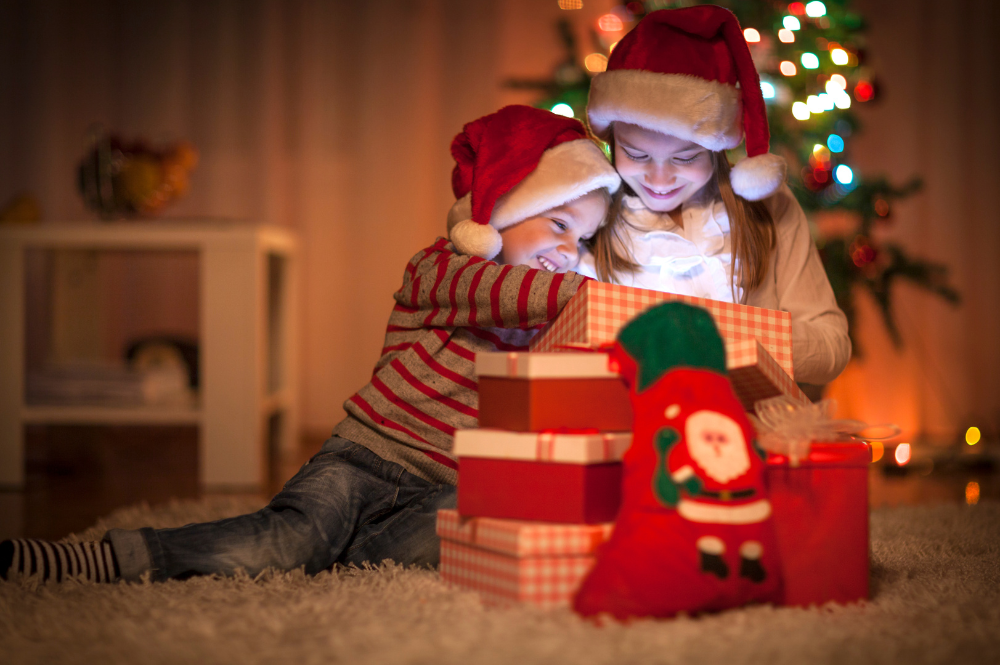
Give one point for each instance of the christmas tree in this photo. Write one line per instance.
(814, 71)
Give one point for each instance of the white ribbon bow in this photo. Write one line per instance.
(788, 428)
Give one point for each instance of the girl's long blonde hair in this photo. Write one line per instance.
(751, 229)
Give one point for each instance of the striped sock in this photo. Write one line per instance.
(58, 561)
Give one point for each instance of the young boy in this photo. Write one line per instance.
(531, 186)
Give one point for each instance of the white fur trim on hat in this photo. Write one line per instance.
(564, 173)
(688, 107)
(475, 239)
(461, 209)
(756, 178)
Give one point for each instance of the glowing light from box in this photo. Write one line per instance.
(972, 436)
(786, 36)
(595, 62)
(787, 68)
(751, 35)
(570, 4)
(563, 109)
(767, 90)
(815, 9)
(903, 454)
(610, 23)
(815, 104)
(878, 449)
(845, 176)
(972, 493)
(835, 143)
(839, 56)
(791, 23)
(800, 111)
(810, 60)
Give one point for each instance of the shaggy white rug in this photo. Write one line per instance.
(935, 580)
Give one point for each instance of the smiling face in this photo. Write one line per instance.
(663, 170)
(551, 240)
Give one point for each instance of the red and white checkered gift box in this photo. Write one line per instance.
(514, 561)
(595, 314)
(755, 375)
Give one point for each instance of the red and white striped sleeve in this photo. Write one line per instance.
(442, 288)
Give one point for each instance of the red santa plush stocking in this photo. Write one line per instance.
(693, 532)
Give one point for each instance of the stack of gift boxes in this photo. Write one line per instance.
(539, 480)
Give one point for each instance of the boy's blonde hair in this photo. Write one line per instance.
(750, 222)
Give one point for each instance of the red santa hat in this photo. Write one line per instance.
(514, 164)
(688, 72)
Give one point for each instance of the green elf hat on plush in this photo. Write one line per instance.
(665, 337)
(688, 73)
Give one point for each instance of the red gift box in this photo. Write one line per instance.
(820, 514)
(507, 560)
(598, 310)
(534, 392)
(569, 478)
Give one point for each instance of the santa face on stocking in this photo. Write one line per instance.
(717, 445)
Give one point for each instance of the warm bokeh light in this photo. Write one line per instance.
(878, 450)
(612, 47)
(610, 23)
(800, 111)
(815, 9)
(972, 493)
(972, 436)
(836, 82)
(791, 23)
(570, 4)
(815, 104)
(839, 56)
(797, 8)
(864, 91)
(751, 35)
(809, 60)
(821, 152)
(902, 454)
(787, 67)
(563, 110)
(786, 36)
(882, 208)
(595, 62)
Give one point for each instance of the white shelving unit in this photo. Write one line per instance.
(247, 315)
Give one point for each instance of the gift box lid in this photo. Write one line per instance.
(829, 455)
(514, 365)
(755, 375)
(522, 539)
(598, 310)
(587, 448)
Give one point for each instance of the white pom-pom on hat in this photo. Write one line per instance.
(756, 178)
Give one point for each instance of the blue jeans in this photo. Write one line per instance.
(345, 505)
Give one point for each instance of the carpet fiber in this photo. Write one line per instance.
(935, 582)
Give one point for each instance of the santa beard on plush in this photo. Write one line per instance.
(717, 445)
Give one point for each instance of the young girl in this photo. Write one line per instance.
(531, 186)
(688, 222)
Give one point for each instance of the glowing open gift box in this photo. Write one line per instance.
(517, 561)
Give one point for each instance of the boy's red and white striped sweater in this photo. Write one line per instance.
(450, 307)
